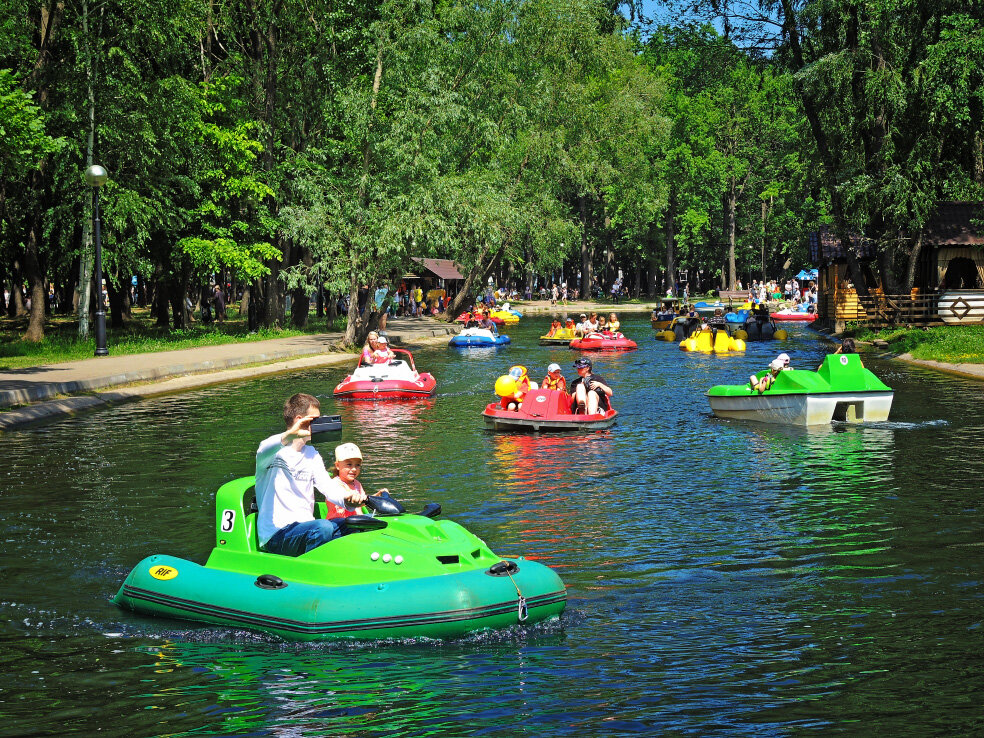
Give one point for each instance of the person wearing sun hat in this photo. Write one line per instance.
(590, 392)
(287, 471)
(554, 379)
(777, 365)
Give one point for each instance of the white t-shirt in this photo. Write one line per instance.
(285, 482)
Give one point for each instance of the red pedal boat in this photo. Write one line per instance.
(545, 410)
(603, 342)
(396, 380)
(800, 315)
(465, 317)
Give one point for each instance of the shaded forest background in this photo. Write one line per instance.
(283, 145)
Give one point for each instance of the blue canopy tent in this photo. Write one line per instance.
(807, 275)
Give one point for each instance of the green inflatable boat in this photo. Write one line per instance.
(395, 575)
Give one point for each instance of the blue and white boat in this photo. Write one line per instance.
(478, 337)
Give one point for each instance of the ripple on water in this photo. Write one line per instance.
(724, 577)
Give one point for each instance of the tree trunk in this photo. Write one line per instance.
(272, 304)
(115, 295)
(586, 251)
(300, 306)
(160, 299)
(824, 148)
(176, 290)
(32, 263)
(730, 204)
(979, 158)
(910, 273)
(670, 251)
(457, 304)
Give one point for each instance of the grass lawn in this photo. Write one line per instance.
(139, 335)
(956, 344)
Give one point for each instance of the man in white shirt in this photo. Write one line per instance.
(287, 471)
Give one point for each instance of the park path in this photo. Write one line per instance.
(41, 393)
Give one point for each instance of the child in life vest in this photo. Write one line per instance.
(554, 379)
(777, 365)
(554, 327)
(613, 324)
(523, 385)
(383, 354)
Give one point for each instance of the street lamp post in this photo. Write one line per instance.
(96, 176)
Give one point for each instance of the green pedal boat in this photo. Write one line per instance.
(842, 389)
(395, 575)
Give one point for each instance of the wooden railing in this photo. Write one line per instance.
(891, 310)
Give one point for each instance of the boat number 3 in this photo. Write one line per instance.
(844, 360)
(228, 520)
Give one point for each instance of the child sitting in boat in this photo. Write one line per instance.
(554, 327)
(345, 480)
(554, 379)
(613, 324)
(382, 354)
(523, 385)
(287, 471)
(778, 364)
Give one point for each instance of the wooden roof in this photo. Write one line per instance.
(826, 248)
(443, 268)
(952, 224)
(955, 224)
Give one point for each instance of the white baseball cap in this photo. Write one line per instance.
(382, 339)
(347, 451)
(553, 368)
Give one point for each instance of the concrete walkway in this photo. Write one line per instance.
(45, 392)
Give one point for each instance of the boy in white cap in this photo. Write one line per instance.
(554, 379)
(287, 471)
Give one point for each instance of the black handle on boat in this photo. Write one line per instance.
(431, 510)
(384, 504)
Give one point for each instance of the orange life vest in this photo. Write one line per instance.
(554, 384)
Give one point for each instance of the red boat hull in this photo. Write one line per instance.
(390, 389)
(600, 343)
(545, 410)
(801, 317)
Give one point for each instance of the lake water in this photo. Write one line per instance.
(724, 577)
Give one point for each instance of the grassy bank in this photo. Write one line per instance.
(139, 335)
(958, 344)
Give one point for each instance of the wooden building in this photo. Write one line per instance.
(948, 285)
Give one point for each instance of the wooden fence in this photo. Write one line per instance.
(890, 310)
